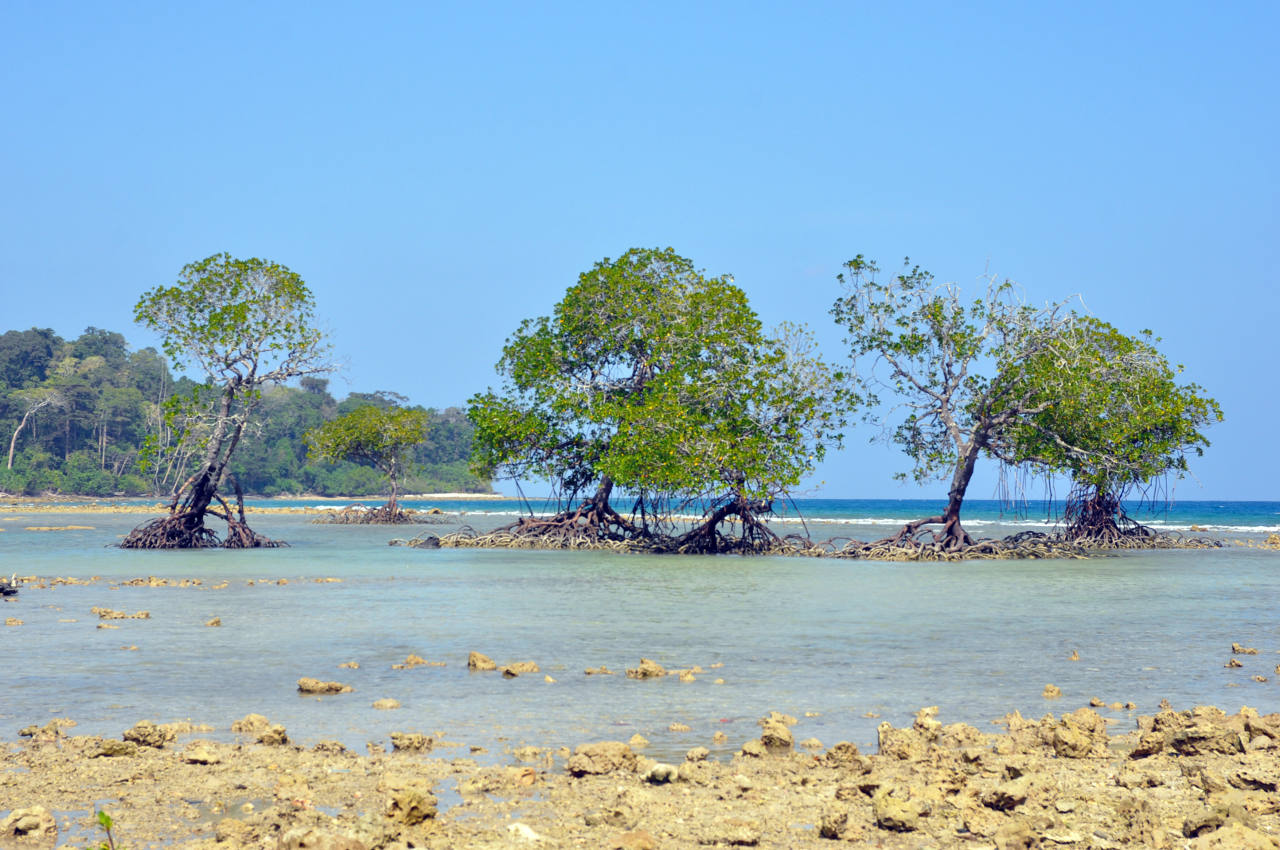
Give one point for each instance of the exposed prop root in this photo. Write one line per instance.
(382, 515)
(184, 527)
(176, 532)
(1027, 545)
(592, 525)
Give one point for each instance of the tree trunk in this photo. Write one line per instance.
(394, 502)
(953, 535)
(13, 442)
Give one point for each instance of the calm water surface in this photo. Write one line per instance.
(839, 639)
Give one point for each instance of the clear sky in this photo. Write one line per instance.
(438, 172)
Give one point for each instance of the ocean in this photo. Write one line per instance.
(841, 645)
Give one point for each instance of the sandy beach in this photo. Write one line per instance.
(73, 505)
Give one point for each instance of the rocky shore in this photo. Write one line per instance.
(1198, 778)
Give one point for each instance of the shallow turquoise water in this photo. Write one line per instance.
(839, 639)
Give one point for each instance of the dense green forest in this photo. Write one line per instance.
(77, 416)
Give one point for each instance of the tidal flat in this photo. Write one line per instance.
(841, 647)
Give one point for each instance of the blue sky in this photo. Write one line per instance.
(438, 173)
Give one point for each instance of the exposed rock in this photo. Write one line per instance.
(413, 660)
(601, 757)
(677, 726)
(734, 831)
(32, 826)
(754, 749)
(1148, 745)
(413, 742)
(250, 723)
(646, 670)
(638, 741)
(660, 774)
(480, 661)
(199, 752)
(779, 717)
(1008, 795)
(307, 685)
(598, 671)
(411, 804)
(776, 737)
(1051, 692)
(316, 838)
(697, 754)
(111, 748)
(214, 623)
(273, 736)
(1237, 649)
(148, 734)
(387, 704)
(1234, 836)
(1016, 835)
(1207, 738)
(904, 744)
(510, 671)
(894, 810)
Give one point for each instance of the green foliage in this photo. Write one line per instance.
(921, 345)
(652, 376)
(105, 821)
(1036, 387)
(131, 429)
(383, 438)
(245, 322)
(1113, 415)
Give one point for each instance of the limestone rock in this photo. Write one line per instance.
(480, 661)
(697, 754)
(386, 704)
(1007, 795)
(1235, 836)
(317, 838)
(646, 670)
(776, 737)
(250, 723)
(111, 748)
(510, 671)
(199, 752)
(147, 734)
(601, 757)
(904, 744)
(412, 742)
(307, 685)
(273, 736)
(33, 825)
(894, 810)
(1205, 738)
(660, 774)
(411, 805)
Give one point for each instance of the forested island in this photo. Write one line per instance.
(87, 415)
